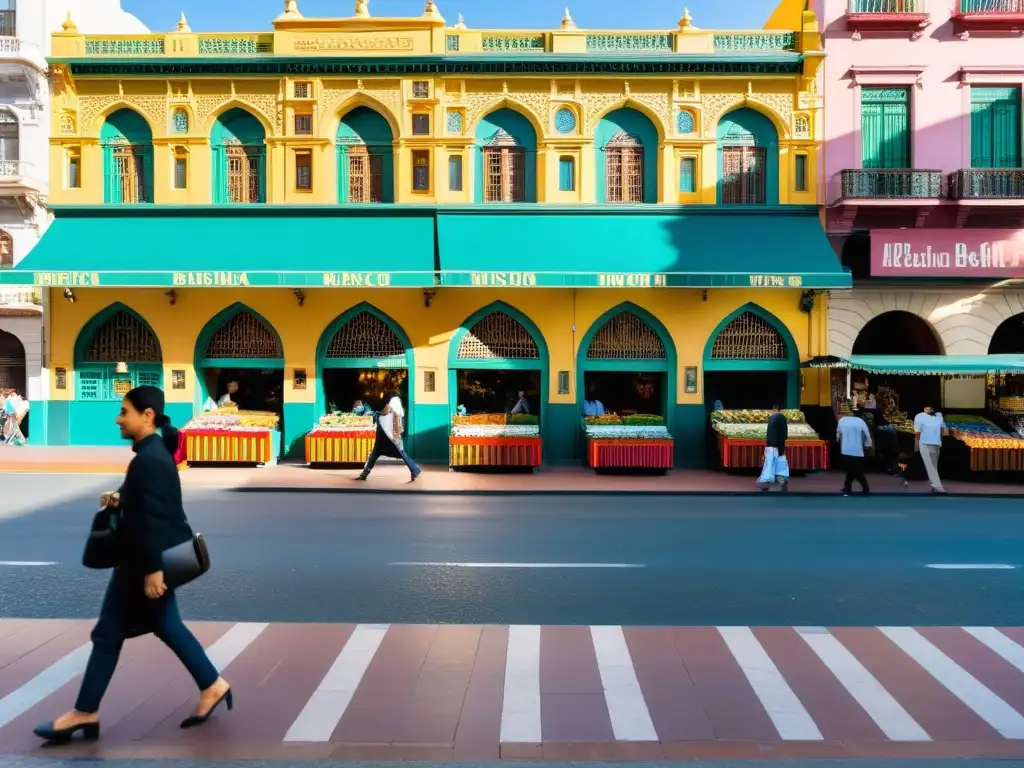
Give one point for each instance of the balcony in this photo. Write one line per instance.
(887, 16)
(996, 194)
(988, 15)
(21, 179)
(16, 54)
(903, 194)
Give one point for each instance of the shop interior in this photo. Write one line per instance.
(345, 387)
(627, 393)
(259, 389)
(748, 390)
(496, 391)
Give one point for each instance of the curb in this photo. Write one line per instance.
(604, 492)
(65, 469)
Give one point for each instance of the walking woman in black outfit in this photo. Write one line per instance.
(137, 600)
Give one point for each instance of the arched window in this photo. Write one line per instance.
(365, 158)
(626, 337)
(504, 169)
(365, 336)
(498, 335)
(748, 149)
(120, 337)
(243, 336)
(624, 169)
(238, 143)
(6, 249)
(749, 337)
(127, 158)
(10, 151)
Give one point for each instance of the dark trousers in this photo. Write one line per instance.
(124, 615)
(854, 471)
(377, 452)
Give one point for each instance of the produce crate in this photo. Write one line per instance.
(220, 446)
(803, 455)
(339, 447)
(997, 460)
(494, 452)
(630, 454)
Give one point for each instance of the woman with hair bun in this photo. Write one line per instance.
(137, 601)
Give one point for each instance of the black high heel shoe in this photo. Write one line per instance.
(51, 735)
(193, 720)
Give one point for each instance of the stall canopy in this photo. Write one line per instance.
(938, 365)
(257, 245)
(588, 246)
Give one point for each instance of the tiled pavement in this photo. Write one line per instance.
(437, 479)
(525, 692)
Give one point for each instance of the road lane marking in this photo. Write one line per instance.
(971, 566)
(520, 706)
(961, 683)
(522, 565)
(893, 720)
(1000, 643)
(788, 715)
(228, 647)
(46, 683)
(631, 720)
(331, 699)
(26, 563)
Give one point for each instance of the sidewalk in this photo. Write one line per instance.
(446, 693)
(393, 478)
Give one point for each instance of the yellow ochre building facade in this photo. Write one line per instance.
(571, 213)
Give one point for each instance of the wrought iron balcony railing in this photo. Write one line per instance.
(890, 184)
(994, 7)
(987, 184)
(911, 7)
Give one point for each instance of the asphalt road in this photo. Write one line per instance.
(776, 560)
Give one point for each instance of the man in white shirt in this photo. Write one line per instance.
(853, 436)
(929, 429)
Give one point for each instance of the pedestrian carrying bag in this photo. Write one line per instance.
(102, 548)
(186, 562)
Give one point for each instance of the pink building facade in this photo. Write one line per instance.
(923, 179)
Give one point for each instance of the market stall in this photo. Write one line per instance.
(741, 437)
(231, 436)
(340, 438)
(495, 440)
(638, 441)
(990, 448)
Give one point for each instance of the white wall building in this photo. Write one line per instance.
(25, 29)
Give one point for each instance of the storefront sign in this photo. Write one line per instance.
(69, 279)
(211, 279)
(776, 281)
(357, 279)
(354, 44)
(947, 253)
(519, 279)
(398, 361)
(642, 280)
(631, 280)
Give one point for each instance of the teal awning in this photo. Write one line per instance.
(939, 365)
(204, 246)
(637, 246)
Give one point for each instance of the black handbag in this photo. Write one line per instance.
(186, 562)
(102, 546)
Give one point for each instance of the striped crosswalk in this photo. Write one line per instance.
(492, 688)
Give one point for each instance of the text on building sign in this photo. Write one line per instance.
(988, 255)
(631, 280)
(66, 278)
(526, 279)
(354, 44)
(357, 279)
(216, 279)
(776, 281)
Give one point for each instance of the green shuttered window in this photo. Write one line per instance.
(100, 382)
(995, 127)
(566, 174)
(885, 127)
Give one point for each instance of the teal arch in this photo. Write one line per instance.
(517, 125)
(126, 126)
(636, 124)
(542, 364)
(748, 126)
(364, 126)
(237, 125)
(86, 333)
(140, 373)
(211, 327)
(790, 365)
(352, 362)
(668, 366)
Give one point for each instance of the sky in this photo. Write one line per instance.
(256, 15)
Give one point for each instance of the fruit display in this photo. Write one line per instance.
(793, 416)
(760, 431)
(496, 419)
(627, 432)
(234, 420)
(890, 402)
(344, 423)
(607, 419)
(1011, 404)
(495, 430)
(980, 433)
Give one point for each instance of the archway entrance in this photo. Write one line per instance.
(113, 337)
(893, 334)
(364, 355)
(12, 371)
(750, 364)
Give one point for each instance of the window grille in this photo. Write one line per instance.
(180, 121)
(626, 337)
(6, 252)
(498, 336)
(244, 173)
(365, 335)
(365, 175)
(128, 168)
(123, 338)
(624, 169)
(10, 150)
(303, 125)
(243, 336)
(103, 383)
(421, 89)
(301, 90)
(504, 169)
(749, 337)
(743, 177)
(12, 362)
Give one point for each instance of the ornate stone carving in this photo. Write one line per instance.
(479, 104)
(389, 95)
(265, 103)
(660, 104)
(714, 105)
(67, 123)
(596, 104)
(153, 108)
(89, 108)
(782, 103)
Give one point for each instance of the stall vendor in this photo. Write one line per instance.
(361, 409)
(231, 398)
(523, 406)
